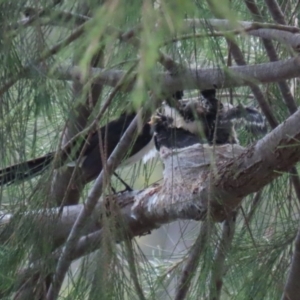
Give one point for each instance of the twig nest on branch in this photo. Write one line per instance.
(186, 189)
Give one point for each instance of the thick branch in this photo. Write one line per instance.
(193, 78)
(283, 34)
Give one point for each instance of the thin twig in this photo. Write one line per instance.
(292, 287)
(46, 17)
(132, 269)
(268, 33)
(54, 50)
(85, 245)
(254, 205)
(204, 35)
(245, 25)
(216, 281)
(164, 59)
(192, 262)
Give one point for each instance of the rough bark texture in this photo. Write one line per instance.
(284, 34)
(193, 78)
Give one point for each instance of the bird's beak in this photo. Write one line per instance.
(153, 119)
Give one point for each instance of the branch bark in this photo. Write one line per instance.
(281, 33)
(284, 34)
(192, 78)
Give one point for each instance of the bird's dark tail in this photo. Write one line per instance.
(25, 170)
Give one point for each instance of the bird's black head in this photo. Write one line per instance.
(209, 93)
(160, 122)
(178, 95)
(174, 99)
(209, 101)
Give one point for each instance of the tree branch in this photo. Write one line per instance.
(192, 78)
(276, 12)
(216, 281)
(292, 288)
(284, 34)
(281, 33)
(192, 262)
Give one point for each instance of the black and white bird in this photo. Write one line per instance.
(181, 123)
(165, 134)
(206, 118)
(90, 164)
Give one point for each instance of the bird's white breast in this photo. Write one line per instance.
(145, 153)
(179, 122)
